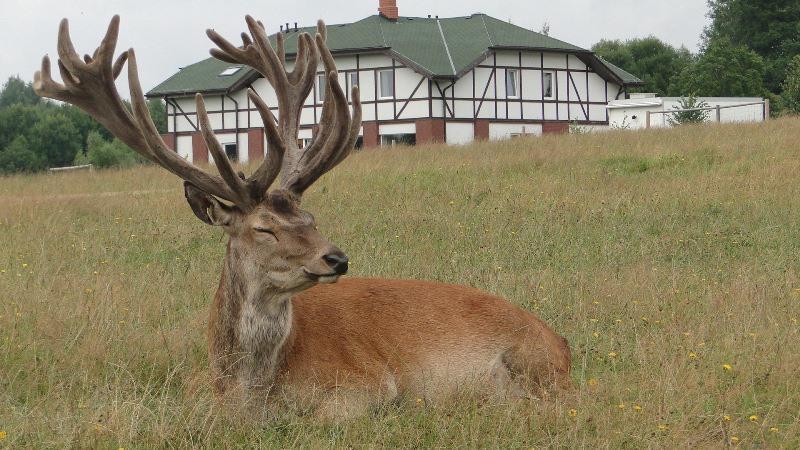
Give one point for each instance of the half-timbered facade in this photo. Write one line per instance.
(421, 80)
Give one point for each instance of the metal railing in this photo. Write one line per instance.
(718, 109)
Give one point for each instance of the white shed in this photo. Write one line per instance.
(632, 113)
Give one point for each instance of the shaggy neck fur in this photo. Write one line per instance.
(249, 325)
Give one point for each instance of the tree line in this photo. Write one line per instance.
(36, 133)
(750, 49)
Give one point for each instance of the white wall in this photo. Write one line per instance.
(631, 113)
(499, 131)
(459, 132)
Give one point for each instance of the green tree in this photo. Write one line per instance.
(18, 157)
(159, 113)
(56, 139)
(17, 92)
(18, 120)
(791, 87)
(770, 28)
(724, 70)
(654, 61)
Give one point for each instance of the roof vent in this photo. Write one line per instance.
(230, 71)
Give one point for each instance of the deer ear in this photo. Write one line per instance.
(206, 207)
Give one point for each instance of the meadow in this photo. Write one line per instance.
(668, 258)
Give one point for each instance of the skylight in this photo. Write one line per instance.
(230, 71)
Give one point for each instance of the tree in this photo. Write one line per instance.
(682, 117)
(654, 61)
(18, 157)
(17, 92)
(724, 70)
(791, 87)
(18, 120)
(159, 113)
(56, 139)
(769, 28)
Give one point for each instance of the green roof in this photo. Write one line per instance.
(437, 48)
(203, 76)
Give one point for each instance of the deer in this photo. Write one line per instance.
(284, 320)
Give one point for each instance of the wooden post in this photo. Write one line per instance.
(647, 119)
(719, 114)
(766, 109)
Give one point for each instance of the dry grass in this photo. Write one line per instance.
(665, 257)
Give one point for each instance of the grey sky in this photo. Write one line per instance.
(168, 34)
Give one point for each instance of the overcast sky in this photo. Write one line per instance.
(169, 34)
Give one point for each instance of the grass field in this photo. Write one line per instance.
(669, 259)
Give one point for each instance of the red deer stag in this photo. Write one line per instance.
(277, 322)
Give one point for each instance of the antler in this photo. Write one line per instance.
(90, 85)
(337, 131)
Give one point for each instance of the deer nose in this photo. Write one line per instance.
(338, 262)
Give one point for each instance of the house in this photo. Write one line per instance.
(632, 113)
(422, 80)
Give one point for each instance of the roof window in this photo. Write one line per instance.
(230, 71)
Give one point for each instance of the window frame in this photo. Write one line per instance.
(381, 95)
(515, 83)
(230, 71)
(552, 85)
(322, 79)
(350, 76)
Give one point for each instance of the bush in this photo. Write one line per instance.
(681, 117)
(103, 153)
(18, 157)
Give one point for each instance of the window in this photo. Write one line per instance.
(512, 83)
(547, 84)
(391, 140)
(230, 71)
(321, 85)
(232, 152)
(387, 84)
(352, 80)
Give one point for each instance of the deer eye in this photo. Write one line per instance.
(265, 230)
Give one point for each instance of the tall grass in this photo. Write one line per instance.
(668, 258)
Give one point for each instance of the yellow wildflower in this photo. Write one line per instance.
(592, 382)
(726, 418)
(753, 418)
(621, 406)
(637, 407)
(612, 354)
(573, 412)
(773, 430)
(24, 265)
(734, 439)
(663, 427)
(3, 435)
(692, 355)
(727, 367)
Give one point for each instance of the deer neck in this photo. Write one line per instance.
(253, 319)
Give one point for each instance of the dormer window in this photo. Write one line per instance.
(230, 71)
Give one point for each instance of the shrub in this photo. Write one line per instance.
(103, 153)
(681, 117)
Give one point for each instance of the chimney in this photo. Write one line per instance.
(388, 9)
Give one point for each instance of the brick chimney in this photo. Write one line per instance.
(388, 9)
